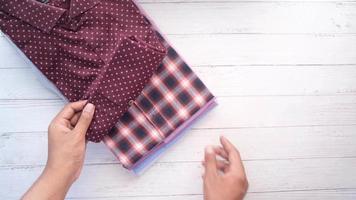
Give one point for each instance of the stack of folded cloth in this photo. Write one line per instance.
(110, 53)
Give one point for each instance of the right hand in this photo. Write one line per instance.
(224, 179)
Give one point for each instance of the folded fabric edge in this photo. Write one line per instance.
(147, 160)
(144, 163)
(155, 27)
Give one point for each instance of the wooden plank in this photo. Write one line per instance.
(253, 17)
(9, 56)
(173, 178)
(21, 83)
(254, 144)
(282, 111)
(344, 194)
(271, 119)
(202, 17)
(233, 112)
(332, 194)
(246, 50)
(279, 80)
(266, 49)
(236, 1)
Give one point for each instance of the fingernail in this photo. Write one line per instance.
(223, 138)
(209, 149)
(89, 108)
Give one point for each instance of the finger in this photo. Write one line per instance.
(70, 109)
(210, 162)
(235, 161)
(85, 119)
(221, 152)
(230, 149)
(75, 118)
(220, 165)
(203, 169)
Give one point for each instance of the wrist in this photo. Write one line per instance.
(62, 176)
(52, 184)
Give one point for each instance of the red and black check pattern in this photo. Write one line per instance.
(172, 96)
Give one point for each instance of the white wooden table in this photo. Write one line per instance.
(285, 76)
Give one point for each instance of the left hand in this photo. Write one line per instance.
(66, 139)
(66, 151)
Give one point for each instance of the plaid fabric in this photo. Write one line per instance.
(172, 96)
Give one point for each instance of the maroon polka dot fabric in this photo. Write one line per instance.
(104, 51)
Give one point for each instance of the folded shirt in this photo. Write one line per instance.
(136, 130)
(104, 51)
(153, 155)
(170, 102)
(172, 97)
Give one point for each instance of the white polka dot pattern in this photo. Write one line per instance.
(104, 51)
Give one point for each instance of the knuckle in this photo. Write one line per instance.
(240, 183)
(85, 116)
(243, 181)
(51, 126)
(239, 180)
(242, 192)
(68, 106)
(79, 139)
(236, 153)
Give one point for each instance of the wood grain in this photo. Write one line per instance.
(264, 176)
(345, 194)
(253, 143)
(228, 81)
(285, 76)
(276, 17)
(233, 112)
(247, 49)
(253, 17)
(142, 2)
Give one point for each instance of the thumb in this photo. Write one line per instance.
(210, 161)
(85, 119)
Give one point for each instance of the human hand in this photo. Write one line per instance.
(66, 151)
(224, 179)
(66, 139)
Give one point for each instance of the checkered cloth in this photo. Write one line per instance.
(173, 95)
